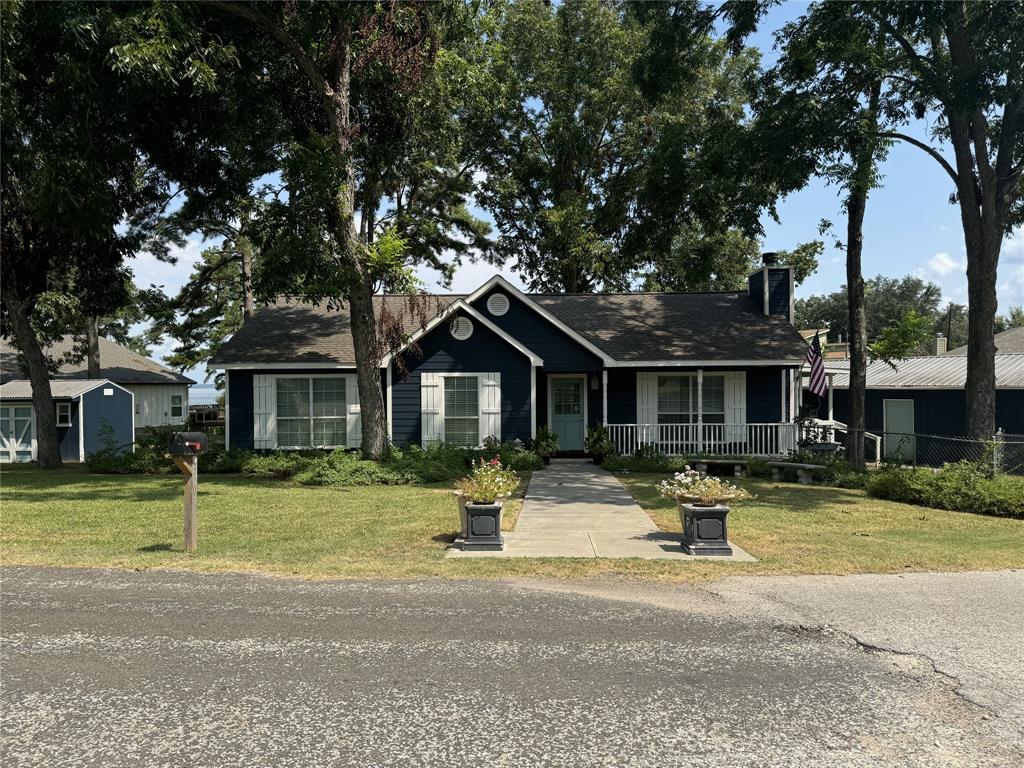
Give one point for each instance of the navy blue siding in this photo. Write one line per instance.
(778, 292)
(561, 353)
(483, 352)
(240, 420)
(936, 411)
(755, 288)
(621, 395)
(116, 409)
(764, 395)
(594, 398)
(67, 437)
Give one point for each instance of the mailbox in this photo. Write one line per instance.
(186, 443)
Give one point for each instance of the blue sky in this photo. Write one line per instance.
(909, 227)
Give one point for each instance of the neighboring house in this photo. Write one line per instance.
(1010, 342)
(161, 395)
(700, 372)
(924, 395)
(91, 413)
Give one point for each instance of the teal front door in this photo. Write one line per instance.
(568, 405)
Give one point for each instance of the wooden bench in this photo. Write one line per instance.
(804, 472)
(738, 465)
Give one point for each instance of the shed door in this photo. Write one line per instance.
(898, 422)
(17, 432)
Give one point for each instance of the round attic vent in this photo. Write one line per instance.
(497, 305)
(462, 328)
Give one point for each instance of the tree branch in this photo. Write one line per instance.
(921, 145)
(302, 59)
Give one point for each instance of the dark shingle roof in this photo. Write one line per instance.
(119, 364)
(1009, 342)
(633, 327)
(288, 331)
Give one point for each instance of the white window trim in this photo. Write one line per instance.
(65, 406)
(309, 377)
(180, 405)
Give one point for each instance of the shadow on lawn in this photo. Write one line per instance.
(156, 548)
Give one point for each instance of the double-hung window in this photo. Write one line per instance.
(677, 399)
(311, 412)
(63, 414)
(674, 399)
(462, 410)
(177, 406)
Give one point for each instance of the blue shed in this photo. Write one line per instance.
(90, 414)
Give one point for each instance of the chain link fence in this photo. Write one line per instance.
(1004, 453)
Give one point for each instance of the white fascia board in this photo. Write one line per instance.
(686, 363)
(463, 305)
(109, 383)
(282, 366)
(506, 285)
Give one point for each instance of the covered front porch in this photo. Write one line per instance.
(767, 440)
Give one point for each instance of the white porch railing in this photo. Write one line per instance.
(706, 439)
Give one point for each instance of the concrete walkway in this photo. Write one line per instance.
(577, 509)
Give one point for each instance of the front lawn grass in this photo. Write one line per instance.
(72, 518)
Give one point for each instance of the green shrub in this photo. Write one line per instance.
(599, 443)
(758, 467)
(961, 486)
(149, 456)
(282, 465)
(545, 443)
(220, 462)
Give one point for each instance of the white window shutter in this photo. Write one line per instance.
(264, 408)
(354, 422)
(490, 406)
(646, 405)
(431, 409)
(736, 402)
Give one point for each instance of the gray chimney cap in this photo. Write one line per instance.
(769, 258)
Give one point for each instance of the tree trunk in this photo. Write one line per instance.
(362, 320)
(856, 203)
(92, 341)
(47, 451)
(244, 245)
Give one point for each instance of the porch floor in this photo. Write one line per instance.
(577, 509)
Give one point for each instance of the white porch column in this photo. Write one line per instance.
(604, 396)
(782, 396)
(390, 405)
(227, 410)
(533, 402)
(830, 416)
(700, 410)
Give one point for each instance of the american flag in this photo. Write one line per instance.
(818, 384)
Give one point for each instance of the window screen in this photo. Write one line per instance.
(312, 412)
(674, 399)
(713, 399)
(176, 405)
(462, 410)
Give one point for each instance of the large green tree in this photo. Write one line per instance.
(961, 65)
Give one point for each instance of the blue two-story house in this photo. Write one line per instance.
(687, 372)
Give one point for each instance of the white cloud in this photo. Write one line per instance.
(942, 264)
(148, 270)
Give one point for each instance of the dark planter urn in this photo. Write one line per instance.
(483, 527)
(704, 529)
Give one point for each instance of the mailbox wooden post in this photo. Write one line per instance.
(189, 466)
(185, 448)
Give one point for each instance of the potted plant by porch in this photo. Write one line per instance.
(599, 443)
(545, 444)
(484, 491)
(702, 512)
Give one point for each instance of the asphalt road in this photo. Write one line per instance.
(171, 669)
